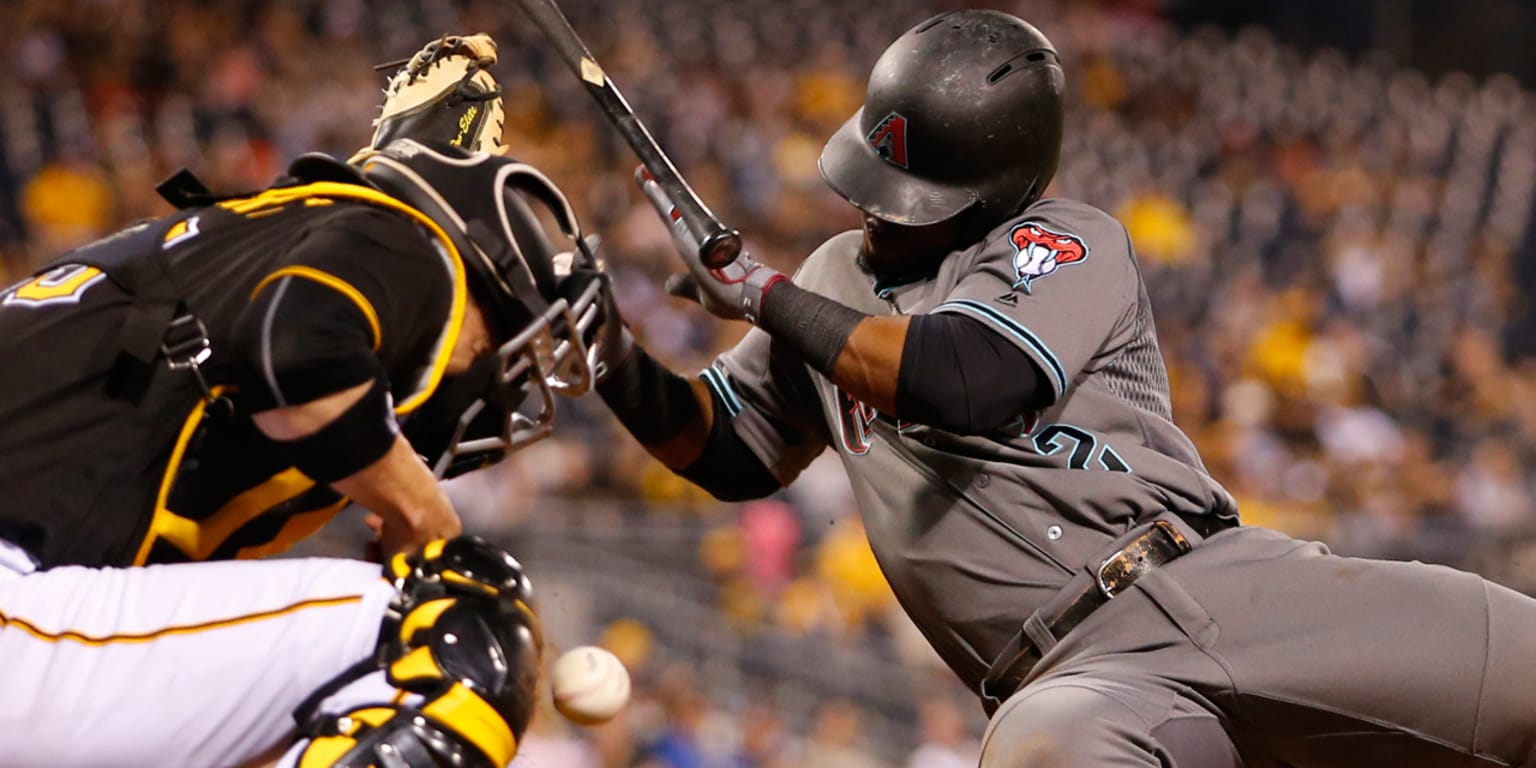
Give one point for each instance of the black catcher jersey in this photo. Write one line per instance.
(104, 462)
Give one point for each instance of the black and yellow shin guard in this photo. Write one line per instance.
(460, 636)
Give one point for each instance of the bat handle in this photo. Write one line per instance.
(720, 248)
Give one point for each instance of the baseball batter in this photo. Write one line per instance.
(216, 384)
(985, 363)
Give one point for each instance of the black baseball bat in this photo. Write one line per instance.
(718, 244)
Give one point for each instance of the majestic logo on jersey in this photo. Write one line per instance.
(60, 285)
(889, 139)
(856, 422)
(1039, 252)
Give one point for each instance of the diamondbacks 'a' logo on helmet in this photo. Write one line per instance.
(1039, 252)
(889, 139)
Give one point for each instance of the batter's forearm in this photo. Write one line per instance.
(944, 371)
(671, 416)
(860, 353)
(870, 366)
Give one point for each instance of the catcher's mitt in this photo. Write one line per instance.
(444, 93)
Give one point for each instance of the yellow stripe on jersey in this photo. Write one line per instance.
(199, 539)
(295, 529)
(179, 629)
(188, 428)
(335, 283)
(331, 189)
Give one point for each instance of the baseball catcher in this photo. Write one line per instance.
(210, 387)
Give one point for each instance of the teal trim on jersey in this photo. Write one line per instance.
(1018, 331)
(730, 390)
(1107, 454)
(884, 290)
(718, 382)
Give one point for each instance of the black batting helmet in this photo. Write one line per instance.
(963, 112)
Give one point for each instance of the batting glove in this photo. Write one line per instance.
(732, 292)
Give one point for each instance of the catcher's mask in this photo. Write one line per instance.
(474, 197)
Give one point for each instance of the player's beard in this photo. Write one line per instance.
(895, 253)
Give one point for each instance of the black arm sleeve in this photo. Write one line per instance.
(814, 326)
(654, 404)
(360, 295)
(303, 340)
(960, 376)
(727, 468)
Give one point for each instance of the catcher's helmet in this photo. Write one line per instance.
(963, 111)
(478, 200)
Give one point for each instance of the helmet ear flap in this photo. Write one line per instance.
(512, 300)
(533, 245)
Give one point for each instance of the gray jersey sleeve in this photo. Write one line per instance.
(768, 394)
(1060, 283)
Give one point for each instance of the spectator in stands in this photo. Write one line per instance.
(946, 741)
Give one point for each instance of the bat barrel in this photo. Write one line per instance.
(718, 245)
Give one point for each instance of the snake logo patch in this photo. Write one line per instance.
(1038, 252)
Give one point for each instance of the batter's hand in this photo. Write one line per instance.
(733, 292)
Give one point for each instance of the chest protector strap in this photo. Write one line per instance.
(157, 324)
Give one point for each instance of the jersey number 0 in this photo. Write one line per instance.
(60, 285)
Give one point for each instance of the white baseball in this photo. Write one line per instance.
(590, 685)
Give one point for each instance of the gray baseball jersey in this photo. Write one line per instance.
(975, 532)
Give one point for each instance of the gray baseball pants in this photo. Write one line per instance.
(1261, 651)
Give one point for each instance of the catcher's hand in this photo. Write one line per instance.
(607, 338)
(445, 94)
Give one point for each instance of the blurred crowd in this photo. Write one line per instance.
(1330, 245)
(677, 729)
(671, 723)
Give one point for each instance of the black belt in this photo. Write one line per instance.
(1160, 543)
